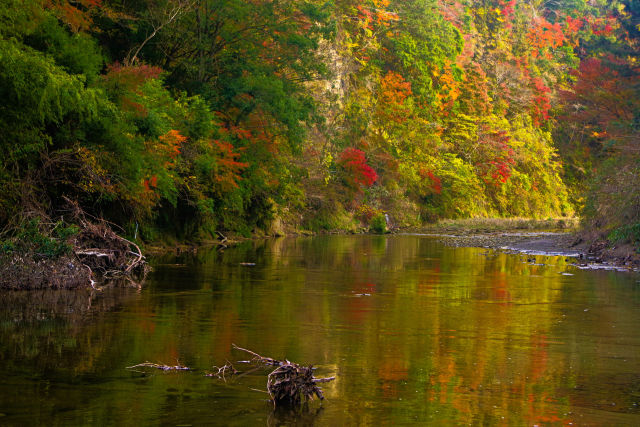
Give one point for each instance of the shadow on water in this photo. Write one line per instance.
(303, 416)
(72, 305)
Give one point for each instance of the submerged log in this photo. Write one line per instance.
(289, 384)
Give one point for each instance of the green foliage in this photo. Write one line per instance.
(37, 94)
(44, 109)
(626, 234)
(20, 17)
(39, 241)
(378, 224)
(76, 53)
(329, 217)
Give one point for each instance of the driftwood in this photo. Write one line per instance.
(177, 367)
(223, 240)
(222, 371)
(289, 384)
(103, 252)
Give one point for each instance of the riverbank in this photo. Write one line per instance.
(560, 237)
(72, 254)
(589, 253)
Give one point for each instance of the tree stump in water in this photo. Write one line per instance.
(290, 384)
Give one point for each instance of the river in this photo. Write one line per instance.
(415, 332)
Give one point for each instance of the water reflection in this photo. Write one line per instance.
(416, 332)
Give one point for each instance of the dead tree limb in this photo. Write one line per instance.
(158, 19)
(222, 371)
(257, 358)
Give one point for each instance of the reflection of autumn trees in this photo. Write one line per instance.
(414, 330)
(450, 324)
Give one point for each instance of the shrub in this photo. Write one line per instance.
(378, 224)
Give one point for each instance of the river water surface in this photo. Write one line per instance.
(415, 332)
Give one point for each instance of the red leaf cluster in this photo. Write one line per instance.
(507, 9)
(435, 182)
(125, 80)
(498, 156)
(541, 102)
(355, 164)
(76, 14)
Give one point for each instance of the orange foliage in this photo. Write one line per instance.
(394, 88)
(229, 168)
(150, 183)
(171, 143)
(544, 35)
(449, 88)
(394, 91)
(76, 14)
(378, 15)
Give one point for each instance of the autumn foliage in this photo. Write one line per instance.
(234, 114)
(357, 171)
(76, 14)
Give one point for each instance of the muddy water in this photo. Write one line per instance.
(416, 333)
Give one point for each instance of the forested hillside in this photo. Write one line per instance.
(179, 118)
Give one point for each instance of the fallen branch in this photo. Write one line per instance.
(137, 261)
(323, 380)
(177, 367)
(222, 371)
(257, 358)
(95, 252)
(223, 238)
(100, 248)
